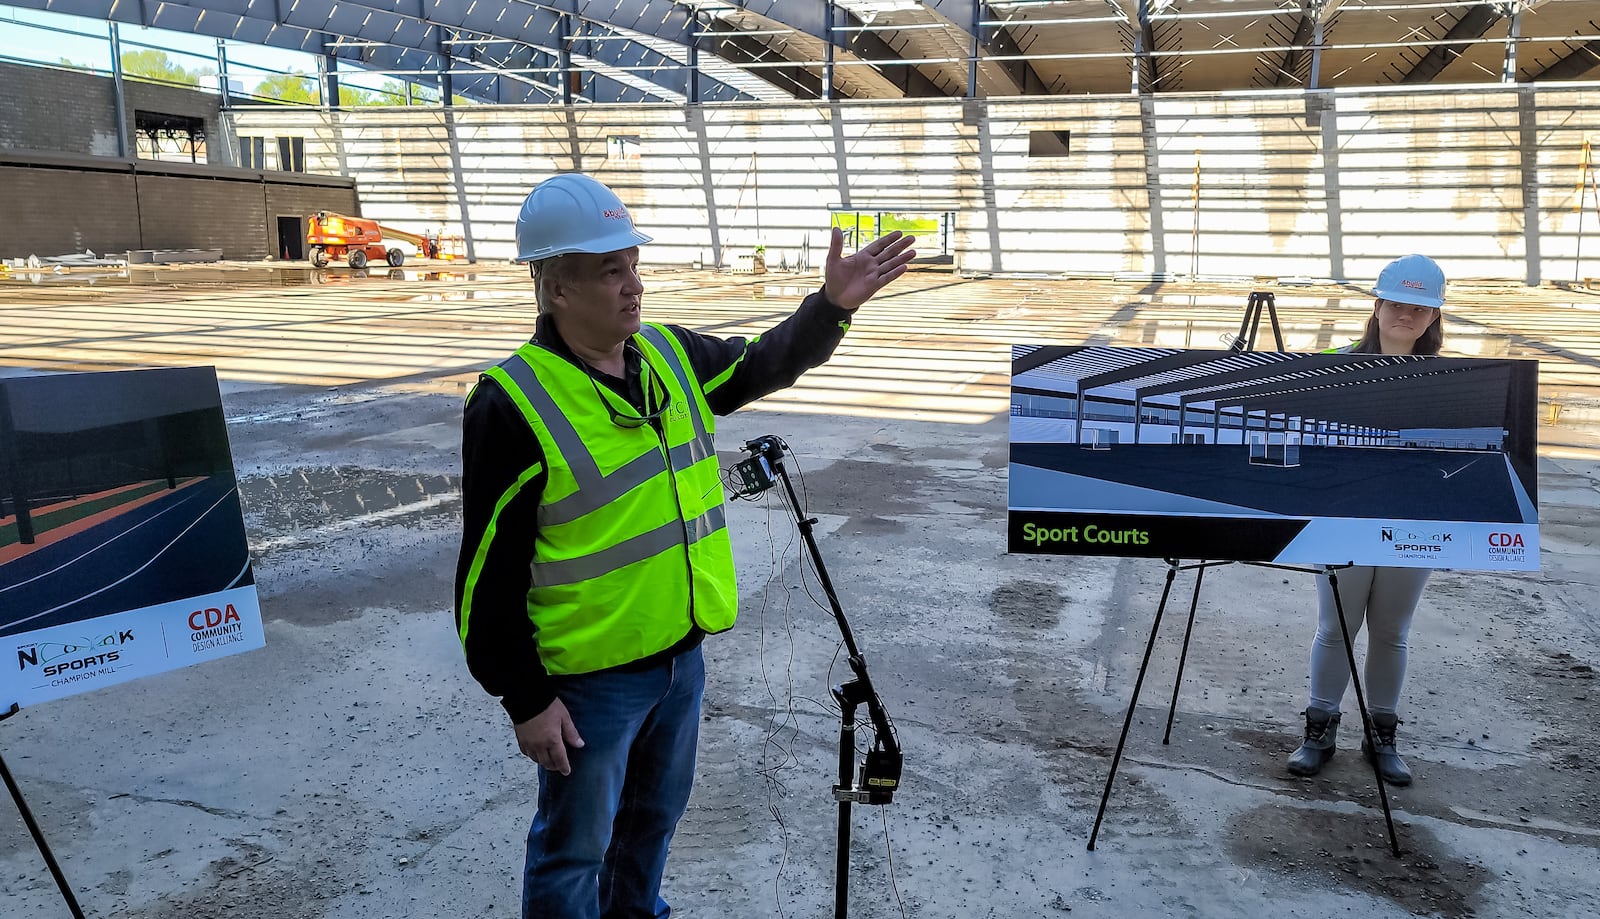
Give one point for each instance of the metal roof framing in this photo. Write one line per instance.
(527, 51)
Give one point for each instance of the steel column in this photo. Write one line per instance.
(119, 99)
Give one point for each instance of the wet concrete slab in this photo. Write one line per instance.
(352, 768)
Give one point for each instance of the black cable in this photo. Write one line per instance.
(826, 708)
(806, 562)
(888, 848)
(838, 647)
(775, 727)
(805, 499)
(728, 487)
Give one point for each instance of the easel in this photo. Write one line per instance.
(1587, 186)
(1258, 301)
(33, 827)
(1246, 339)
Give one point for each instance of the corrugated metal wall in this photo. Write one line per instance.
(1329, 184)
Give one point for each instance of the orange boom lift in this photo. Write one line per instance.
(359, 241)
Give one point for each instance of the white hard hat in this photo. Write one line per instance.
(573, 213)
(1413, 279)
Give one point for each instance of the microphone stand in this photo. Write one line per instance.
(879, 775)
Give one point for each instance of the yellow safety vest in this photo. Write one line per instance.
(633, 546)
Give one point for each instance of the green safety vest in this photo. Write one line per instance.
(633, 544)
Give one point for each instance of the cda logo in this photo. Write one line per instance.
(1507, 546)
(211, 627)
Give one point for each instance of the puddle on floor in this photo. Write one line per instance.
(291, 277)
(232, 277)
(313, 505)
(1350, 851)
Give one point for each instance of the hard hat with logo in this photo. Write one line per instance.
(573, 213)
(1413, 279)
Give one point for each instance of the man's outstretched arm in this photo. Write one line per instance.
(737, 371)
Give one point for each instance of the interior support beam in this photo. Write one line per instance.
(1583, 59)
(1003, 41)
(1472, 24)
(1304, 34)
(119, 97)
(330, 75)
(728, 45)
(1147, 72)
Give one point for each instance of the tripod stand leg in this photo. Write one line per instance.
(1246, 336)
(1366, 720)
(38, 840)
(1184, 655)
(1116, 759)
(841, 866)
(1277, 330)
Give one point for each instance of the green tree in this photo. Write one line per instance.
(350, 97)
(394, 93)
(293, 87)
(303, 89)
(150, 64)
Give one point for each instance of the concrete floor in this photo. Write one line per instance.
(353, 769)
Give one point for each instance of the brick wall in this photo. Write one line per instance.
(69, 204)
(66, 190)
(173, 100)
(300, 201)
(47, 211)
(64, 111)
(42, 108)
(190, 212)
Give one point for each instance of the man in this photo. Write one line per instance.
(596, 554)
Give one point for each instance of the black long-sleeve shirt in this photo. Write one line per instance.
(499, 448)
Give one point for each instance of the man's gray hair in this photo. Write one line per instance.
(546, 274)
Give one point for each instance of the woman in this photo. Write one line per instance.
(1405, 320)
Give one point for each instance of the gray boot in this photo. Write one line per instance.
(1322, 728)
(1390, 765)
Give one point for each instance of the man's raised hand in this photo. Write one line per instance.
(850, 281)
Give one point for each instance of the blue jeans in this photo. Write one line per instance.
(598, 844)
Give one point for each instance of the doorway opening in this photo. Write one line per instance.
(291, 238)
